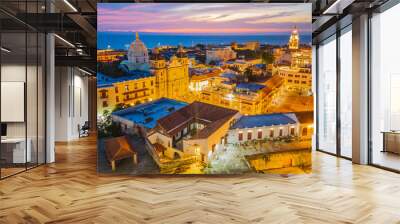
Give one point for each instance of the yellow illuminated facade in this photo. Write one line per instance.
(130, 92)
(166, 78)
(249, 103)
(294, 40)
(171, 77)
(295, 78)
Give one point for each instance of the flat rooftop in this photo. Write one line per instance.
(148, 114)
(253, 87)
(107, 81)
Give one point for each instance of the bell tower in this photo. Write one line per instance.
(158, 64)
(294, 40)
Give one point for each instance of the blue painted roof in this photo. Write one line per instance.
(106, 81)
(147, 114)
(229, 75)
(262, 66)
(265, 120)
(254, 87)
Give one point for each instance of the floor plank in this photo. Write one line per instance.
(70, 191)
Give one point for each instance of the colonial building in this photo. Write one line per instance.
(248, 98)
(264, 126)
(295, 78)
(172, 76)
(306, 120)
(201, 78)
(294, 40)
(127, 90)
(138, 56)
(143, 118)
(195, 130)
(220, 54)
(146, 79)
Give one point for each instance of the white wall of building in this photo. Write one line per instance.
(233, 135)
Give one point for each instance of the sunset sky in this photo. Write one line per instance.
(211, 18)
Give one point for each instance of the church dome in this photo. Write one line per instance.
(137, 53)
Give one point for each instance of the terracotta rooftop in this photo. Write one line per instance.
(211, 116)
(118, 148)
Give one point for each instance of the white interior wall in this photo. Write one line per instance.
(71, 102)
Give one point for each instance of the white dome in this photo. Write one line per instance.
(137, 53)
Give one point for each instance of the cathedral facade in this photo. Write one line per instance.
(171, 76)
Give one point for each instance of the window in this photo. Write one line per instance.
(126, 88)
(103, 94)
(304, 132)
(259, 134)
(116, 89)
(280, 132)
(292, 131)
(117, 99)
(249, 135)
(271, 133)
(105, 104)
(240, 136)
(385, 89)
(346, 94)
(327, 95)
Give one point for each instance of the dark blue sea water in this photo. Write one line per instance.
(119, 40)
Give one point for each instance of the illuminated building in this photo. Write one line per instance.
(138, 56)
(220, 54)
(201, 78)
(272, 126)
(264, 126)
(109, 55)
(247, 98)
(301, 58)
(143, 118)
(294, 40)
(146, 79)
(129, 90)
(306, 127)
(295, 78)
(172, 76)
(251, 45)
(194, 130)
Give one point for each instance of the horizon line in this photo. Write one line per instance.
(189, 33)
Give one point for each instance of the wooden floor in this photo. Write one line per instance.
(70, 191)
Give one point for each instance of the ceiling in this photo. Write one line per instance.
(75, 21)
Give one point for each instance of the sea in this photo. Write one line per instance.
(122, 40)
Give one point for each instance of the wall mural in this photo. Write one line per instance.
(190, 88)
